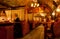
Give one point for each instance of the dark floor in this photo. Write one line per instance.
(37, 33)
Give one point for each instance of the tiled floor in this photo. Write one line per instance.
(37, 33)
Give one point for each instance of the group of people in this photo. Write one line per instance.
(52, 28)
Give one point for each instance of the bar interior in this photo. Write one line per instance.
(22, 18)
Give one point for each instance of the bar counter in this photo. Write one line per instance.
(6, 23)
(6, 30)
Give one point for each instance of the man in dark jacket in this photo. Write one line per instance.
(17, 28)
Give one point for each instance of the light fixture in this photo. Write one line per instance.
(43, 14)
(31, 4)
(58, 10)
(53, 14)
(34, 4)
(37, 5)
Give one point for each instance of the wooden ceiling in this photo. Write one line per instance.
(15, 3)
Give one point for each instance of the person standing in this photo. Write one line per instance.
(17, 28)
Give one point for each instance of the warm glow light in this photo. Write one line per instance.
(37, 5)
(40, 19)
(44, 20)
(32, 5)
(56, 0)
(43, 14)
(58, 10)
(8, 18)
(41, 11)
(2, 19)
(37, 19)
(34, 19)
(35, 0)
(53, 21)
(53, 14)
